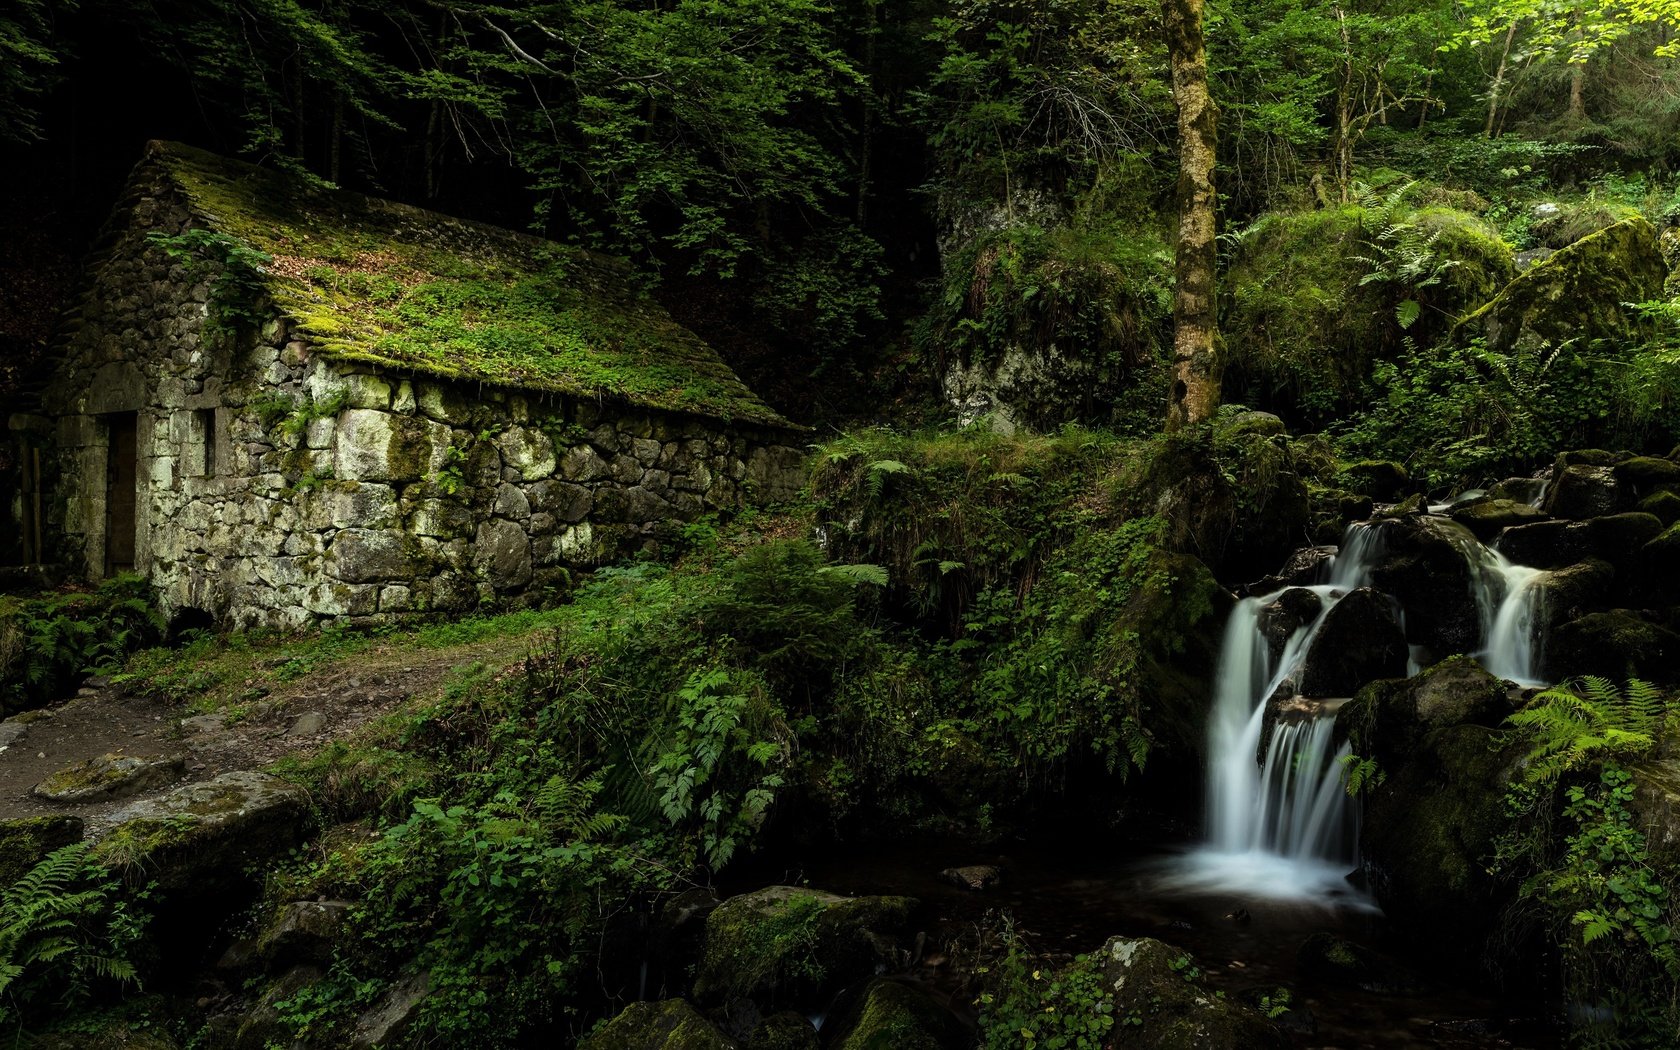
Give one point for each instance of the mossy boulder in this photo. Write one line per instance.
(1428, 834)
(203, 837)
(110, 776)
(890, 1015)
(785, 945)
(1617, 644)
(1161, 1002)
(1658, 569)
(1573, 591)
(1579, 491)
(1648, 473)
(1616, 538)
(1361, 639)
(1425, 564)
(1487, 517)
(1389, 720)
(25, 842)
(1578, 294)
(1303, 325)
(671, 1024)
(1664, 506)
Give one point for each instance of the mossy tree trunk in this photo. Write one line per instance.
(1195, 389)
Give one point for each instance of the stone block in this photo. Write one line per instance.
(502, 554)
(529, 451)
(366, 555)
(379, 446)
(583, 463)
(511, 502)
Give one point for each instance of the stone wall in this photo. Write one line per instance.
(278, 486)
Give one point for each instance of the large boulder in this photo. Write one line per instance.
(1389, 719)
(890, 1015)
(668, 1025)
(1573, 591)
(204, 837)
(1426, 565)
(1360, 640)
(1578, 294)
(1300, 569)
(1616, 644)
(1486, 517)
(1657, 569)
(1161, 1003)
(785, 944)
(1383, 480)
(1616, 538)
(1579, 491)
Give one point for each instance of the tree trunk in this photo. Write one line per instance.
(1195, 390)
(1499, 80)
(1577, 92)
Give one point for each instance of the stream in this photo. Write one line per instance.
(1281, 840)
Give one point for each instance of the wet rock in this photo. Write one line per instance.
(668, 1025)
(263, 1025)
(1657, 569)
(1542, 544)
(393, 1015)
(1411, 506)
(1389, 719)
(890, 1015)
(1487, 517)
(783, 944)
(1616, 538)
(199, 724)
(26, 841)
(1426, 566)
(973, 876)
(1519, 490)
(1302, 569)
(1158, 990)
(205, 836)
(1361, 639)
(1647, 473)
(1664, 506)
(303, 932)
(110, 776)
(1383, 480)
(1286, 614)
(1579, 491)
(1573, 591)
(1618, 644)
(1337, 960)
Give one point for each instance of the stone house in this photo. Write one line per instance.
(284, 404)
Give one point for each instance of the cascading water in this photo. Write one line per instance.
(1510, 604)
(1283, 827)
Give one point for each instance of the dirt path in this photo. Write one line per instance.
(298, 718)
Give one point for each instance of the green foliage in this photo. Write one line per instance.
(29, 57)
(1026, 1005)
(1360, 775)
(47, 641)
(64, 931)
(239, 289)
(1584, 861)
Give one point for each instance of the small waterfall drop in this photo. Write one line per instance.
(1284, 826)
(1509, 601)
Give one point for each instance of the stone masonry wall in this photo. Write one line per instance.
(278, 487)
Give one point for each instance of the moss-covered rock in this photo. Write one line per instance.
(1161, 1003)
(1426, 565)
(1648, 473)
(25, 841)
(1664, 506)
(1487, 517)
(1580, 490)
(1388, 720)
(1361, 639)
(1573, 591)
(110, 776)
(1303, 325)
(668, 1025)
(894, 1016)
(1617, 644)
(203, 837)
(783, 944)
(1578, 294)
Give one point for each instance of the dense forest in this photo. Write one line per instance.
(965, 523)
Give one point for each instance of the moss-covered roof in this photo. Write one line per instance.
(369, 280)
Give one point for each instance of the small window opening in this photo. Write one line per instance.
(204, 427)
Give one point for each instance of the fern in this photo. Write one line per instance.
(62, 928)
(880, 470)
(871, 575)
(1590, 723)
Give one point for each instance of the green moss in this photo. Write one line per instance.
(1312, 299)
(372, 281)
(24, 841)
(896, 1017)
(668, 1025)
(1578, 295)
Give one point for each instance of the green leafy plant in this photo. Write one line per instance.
(1027, 1005)
(239, 289)
(64, 929)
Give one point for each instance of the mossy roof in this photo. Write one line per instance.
(370, 280)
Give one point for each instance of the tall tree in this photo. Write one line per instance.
(1196, 371)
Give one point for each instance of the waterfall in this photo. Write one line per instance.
(1283, 826)
(1509, 603)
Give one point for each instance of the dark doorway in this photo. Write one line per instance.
(120, 478)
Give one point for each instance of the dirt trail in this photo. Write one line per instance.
(297, 718)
